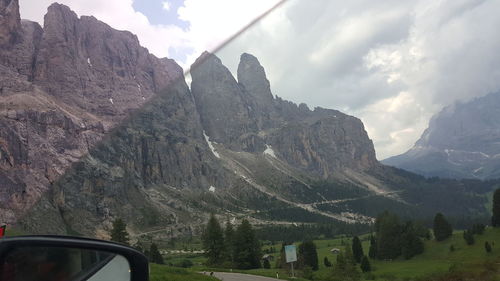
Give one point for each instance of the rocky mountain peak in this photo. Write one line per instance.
(252, 76)
(62, 87)
(218, 96)
(10, 22)
(460, 142)
(58, 11)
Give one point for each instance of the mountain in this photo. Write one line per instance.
(62, 88)
(95, 128)
(462, 141)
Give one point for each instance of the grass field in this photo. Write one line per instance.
(437, 258)
(167, 273)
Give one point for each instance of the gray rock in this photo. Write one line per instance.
(462, 141)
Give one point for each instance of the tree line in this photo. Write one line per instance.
(119, 234)
(229, 247)
(240, 247)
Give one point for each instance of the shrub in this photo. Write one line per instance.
(487, 247)
(469, 237)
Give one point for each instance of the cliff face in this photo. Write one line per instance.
(185, 154)
(460, 142)
(85, 63)
(244, 115)
(10, 21)
(62, 87)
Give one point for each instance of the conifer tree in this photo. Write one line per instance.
(154, 254)
(266, 264)
(307, 255)
(365, 264)
(119, 232)
(411, 244)
(345, 268)
(357, 249)
(487, 247)
(229, 242)
(247, 248)
(442, 229)
(213, 241)
(281, 261)
(327, 262)
(469, 237)
(389, 232)
(495, 219)
(372, 252)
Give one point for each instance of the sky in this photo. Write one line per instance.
(391, 63)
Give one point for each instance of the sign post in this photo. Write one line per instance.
(291, 256)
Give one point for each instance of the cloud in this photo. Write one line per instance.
(391, 63)
(166, 6)
(210, 22)
(119, 14)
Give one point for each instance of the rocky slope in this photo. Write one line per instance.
(62, 87)
(74, 155)
(462, 141)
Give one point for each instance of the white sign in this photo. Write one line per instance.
(290, 253)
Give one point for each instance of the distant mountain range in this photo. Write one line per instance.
(462, 141)
(93, 127)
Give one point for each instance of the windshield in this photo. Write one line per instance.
(311, 139)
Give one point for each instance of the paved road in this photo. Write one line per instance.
(226, 276)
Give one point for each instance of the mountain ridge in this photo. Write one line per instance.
(460, 142)
(98, 128)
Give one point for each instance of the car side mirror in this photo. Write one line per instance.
(62, 258)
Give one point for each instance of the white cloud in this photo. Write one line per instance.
(210, 22)
(391, 63)
(166, 6)
(120, 15)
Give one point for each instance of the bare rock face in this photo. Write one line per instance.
(10, 21)
(245, 115)
(460, 142)
(85, 63)
(252, 78)
(62, 88)
(220, 102)
(326, 145)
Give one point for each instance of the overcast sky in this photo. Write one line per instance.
(391, 63)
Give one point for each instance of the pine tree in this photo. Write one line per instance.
(345, 268)
(327, 262)
(307, 255)
(469, 237)
(348, 255)
(247, 248)
(266, 264)
(365, 264)
(119, 232)
(389, 232)
(372, 252)
(442, 229)
(154, 254)
(357, 249)
(213, 242)
(487, 247)
(495, 219)
(229, 242)
(411, 244)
